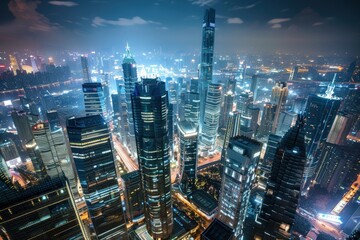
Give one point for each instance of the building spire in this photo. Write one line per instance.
(127, 51)
(330, 89)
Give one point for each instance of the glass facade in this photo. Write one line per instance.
(150, 110)
(94, 99)
(91, 148)
(43, 211)
(241, 161)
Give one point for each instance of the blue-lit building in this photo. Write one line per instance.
(207, 58)
(91, 148)
(94, 99)
(150, 110)
(130, 78)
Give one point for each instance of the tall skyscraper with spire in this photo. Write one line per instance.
(320, 112)
(278, 98)
(282, 193)
(130, 78)
(207, 55)
(150, 109)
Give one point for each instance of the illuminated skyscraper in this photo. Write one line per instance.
(188, 155)
(211, 117)
(207, 55)
(133, 194)
(232, 130)
(266, 120)
(14, 64)
(130, 78)
(94, 99)
(241, 161)
(192, 108)
(53, 151)
(22, 125)
(106, 88)
(278, 98)
(282, 193)
(35, 156)
(244, 100)
(94, 159)
(150, 110)
(226, 109)
(319, 116)
(85, 69)
(43, 211)
(254, 86)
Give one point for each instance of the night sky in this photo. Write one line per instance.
(248, 26)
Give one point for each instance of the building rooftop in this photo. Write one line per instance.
(131, 175)
(217, 230)
(84, 122)
(204, 201)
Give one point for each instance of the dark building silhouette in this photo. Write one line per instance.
(282, 193)
(150, 110)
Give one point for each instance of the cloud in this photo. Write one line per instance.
(98, 21)
(276, 25)
(278, 20)
(203, 3)
(318, 24)
(28, 18)
(245, 7)
(235, 20)
(221, 16)
(63, 3)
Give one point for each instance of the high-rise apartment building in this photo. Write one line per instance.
(92, 152)
(130, 78)
(188, 137)
(207, 58)
(241, 161)
(282, 193)
(150, 110)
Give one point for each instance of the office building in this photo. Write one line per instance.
(217, 230)
(9, 153)
(340, 128)
(191, 108)
(253, 112)
(22, 125)
(106, 88)
(278, 98)
(85, 69)
(43, 211)
(150, 110)
(266, 120)
(133, 194)
(244, 100)
(282, 193)
(94, 99)
(254, 86)
(188, 137)
(285, 122)
(47, 102)
(226, 109)
(232, 130)
(53, 151)
(320, 113)
(211, 117)
(207, 58)
(92, 152)
(35, 156)
(130, 78)
(242, 158)
(53, 118)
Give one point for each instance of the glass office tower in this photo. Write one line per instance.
(93, 156)
(150, 111)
